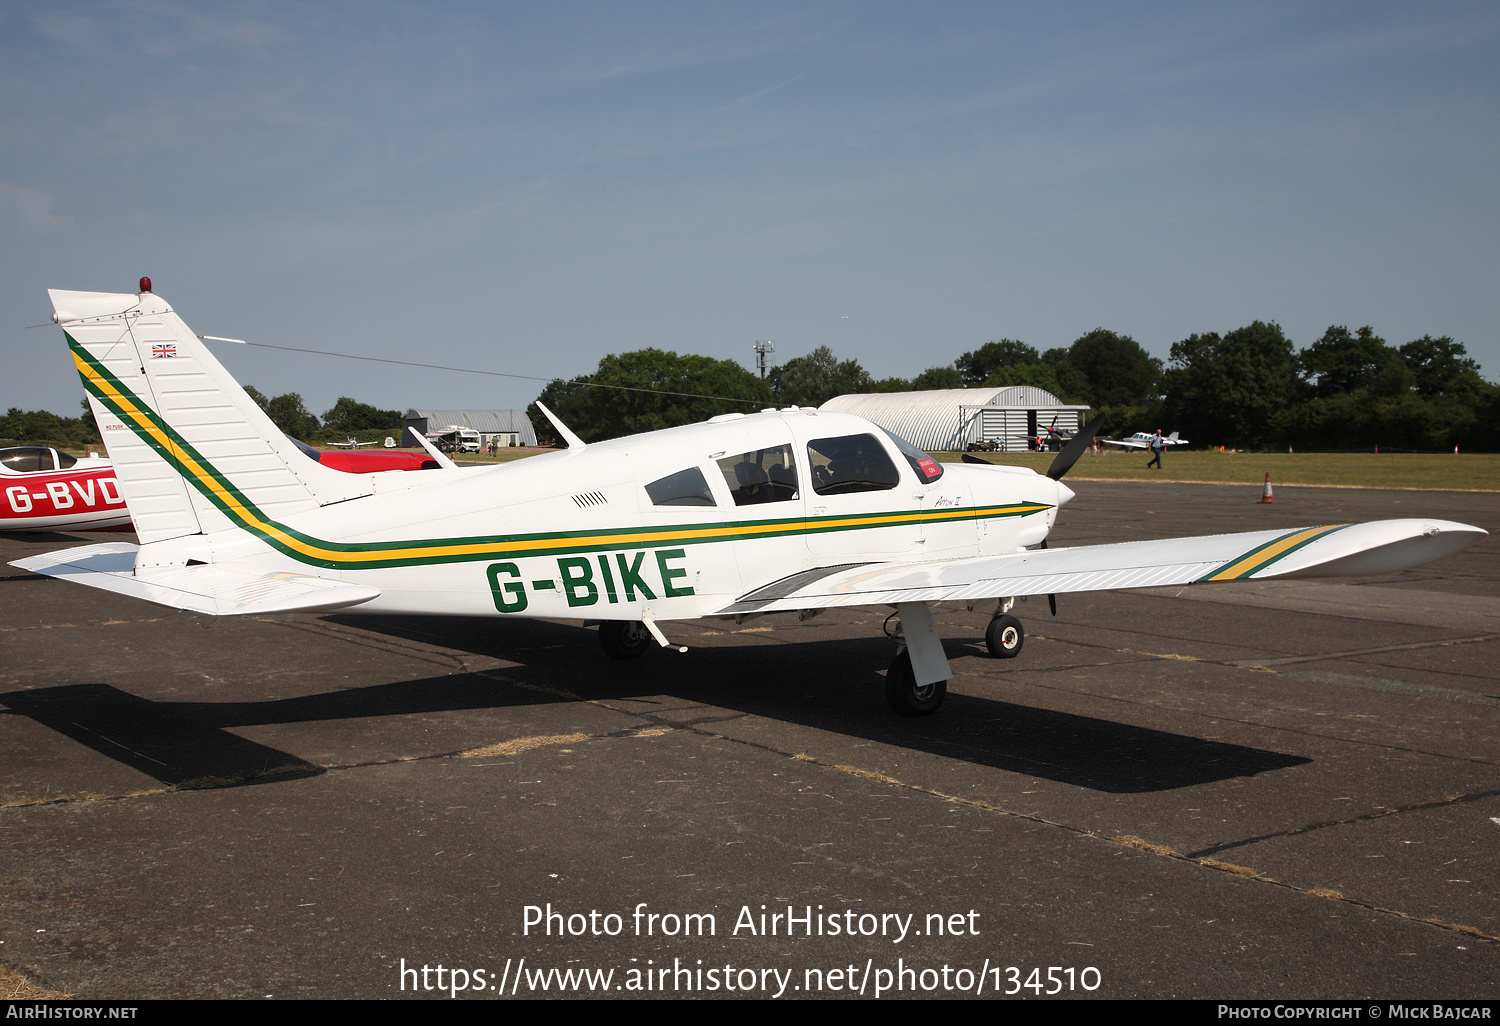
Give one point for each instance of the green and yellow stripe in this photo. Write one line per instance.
(218, 489)
(1262, 556)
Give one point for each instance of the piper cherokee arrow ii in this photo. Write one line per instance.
(781, 511)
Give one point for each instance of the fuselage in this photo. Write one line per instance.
(679, 522)
(48, 490)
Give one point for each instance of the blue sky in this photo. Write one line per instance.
(528, 187)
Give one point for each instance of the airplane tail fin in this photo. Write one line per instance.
(1172, 437)
(192, 451)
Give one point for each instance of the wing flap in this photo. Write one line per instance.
(1333, 550)
(216, 590)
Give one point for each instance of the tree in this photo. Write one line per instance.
(289, 414)
(1440, 365)
(814, 379)
(645, 400)
(975, 367)
(1342, 361)
(1225, 389)
(1072, 381)
(40, 426)
(1118, 371)
(260, 400)
(348, 415)
(937, 377)
(891, 385)
(1037, 375)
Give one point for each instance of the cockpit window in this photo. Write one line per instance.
(685, 488)
(763, 475)
(64, 461)
(27, 459)
(850, 463)
(928, 469)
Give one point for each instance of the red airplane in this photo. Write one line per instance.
(355, 461)
(47, 490)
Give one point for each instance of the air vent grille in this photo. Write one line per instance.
(583, 500)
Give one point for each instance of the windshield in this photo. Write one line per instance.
(927, 469)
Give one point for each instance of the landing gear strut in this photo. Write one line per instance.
(1004, 637)
(624, 639)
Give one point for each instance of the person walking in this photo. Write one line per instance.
(1157, 445)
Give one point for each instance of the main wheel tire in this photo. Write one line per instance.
(905, 695)
(1005, 636)
(624, 639)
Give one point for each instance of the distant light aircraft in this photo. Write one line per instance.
(48, 490)
(351, 444)
(794, 510)
(1142, 440)
(1052, 438)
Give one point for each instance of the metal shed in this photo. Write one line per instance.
(504, 427)
(951, 418)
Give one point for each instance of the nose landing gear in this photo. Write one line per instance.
(1004, 636)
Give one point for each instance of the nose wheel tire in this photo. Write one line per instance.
(906, 696)
(624, 639)
(1005, 636)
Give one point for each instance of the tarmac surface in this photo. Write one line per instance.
(1269, 791)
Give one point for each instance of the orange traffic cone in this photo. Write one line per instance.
(1265, 495)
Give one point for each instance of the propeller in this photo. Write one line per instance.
(1064, 463)
(1075, 448)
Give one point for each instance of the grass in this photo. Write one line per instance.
(1472, 472)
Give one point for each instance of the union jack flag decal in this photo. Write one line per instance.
(164, 352)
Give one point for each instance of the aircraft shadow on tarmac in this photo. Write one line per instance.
(191, 743)
(831, 687)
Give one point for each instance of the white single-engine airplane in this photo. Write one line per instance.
(1142, 440)
(781, 511)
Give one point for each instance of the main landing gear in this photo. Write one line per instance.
(624, 639)
(917, 681)
(905, 695)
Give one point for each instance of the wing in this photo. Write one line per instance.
(1375, 548)
(221, 591)
(1122, 443)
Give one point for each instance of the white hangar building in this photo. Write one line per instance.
(504, 427)
(948, 419)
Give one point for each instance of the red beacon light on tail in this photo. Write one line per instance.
(145, 285)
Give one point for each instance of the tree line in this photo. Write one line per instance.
(288, 412)
(348, 418)
(1249, 388)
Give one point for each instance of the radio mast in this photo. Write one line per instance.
(761, 349)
